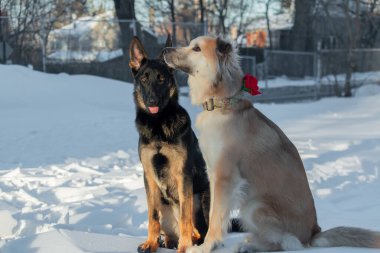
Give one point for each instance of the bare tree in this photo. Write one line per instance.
(32, 21)
(202, 9)
(164, 9)
(224, 14)
(220, 9)
(370, 22)
(125, 12)
(349, 11)
(273, 7)
(352, 17)
(267, 9)
(302, 36)
(173, 20)
(243, 8)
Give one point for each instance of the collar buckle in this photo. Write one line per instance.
(209, 105)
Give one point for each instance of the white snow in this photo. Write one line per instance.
(84, 56)
(71, 180)
(8, 223)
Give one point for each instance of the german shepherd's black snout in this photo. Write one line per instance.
(152, 101)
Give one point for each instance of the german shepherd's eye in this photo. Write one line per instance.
(196, 49)
(144, 79)
(161, 78)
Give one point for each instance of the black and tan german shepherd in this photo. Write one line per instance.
(175, 177)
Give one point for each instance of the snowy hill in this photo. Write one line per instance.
(71, 180)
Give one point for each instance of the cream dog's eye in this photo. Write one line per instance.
(196, 49)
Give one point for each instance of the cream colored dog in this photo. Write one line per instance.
(251, 161)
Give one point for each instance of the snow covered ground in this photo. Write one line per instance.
(71, 180)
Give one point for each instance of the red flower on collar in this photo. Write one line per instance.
(250, 85)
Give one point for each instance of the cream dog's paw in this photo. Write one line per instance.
(196, 249)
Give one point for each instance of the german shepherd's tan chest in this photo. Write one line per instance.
(163, 163)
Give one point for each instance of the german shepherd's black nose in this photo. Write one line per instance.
(152, 101)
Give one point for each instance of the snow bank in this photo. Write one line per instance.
(84, 56)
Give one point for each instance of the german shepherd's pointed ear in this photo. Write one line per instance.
(168, 43)
(137, 54)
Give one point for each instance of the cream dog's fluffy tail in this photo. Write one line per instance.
(347, 236)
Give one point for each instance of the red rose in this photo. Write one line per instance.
(250, 85)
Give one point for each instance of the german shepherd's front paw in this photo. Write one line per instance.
(182, 246)
(182, 249)
(148, 247)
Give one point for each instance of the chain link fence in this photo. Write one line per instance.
(94, 45)
(89, 45)
(290, 63)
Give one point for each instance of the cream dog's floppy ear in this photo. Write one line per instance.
(228, 67)
(223, 47)
(137, 54)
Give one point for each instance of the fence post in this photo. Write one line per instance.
(204, 27)
(254, 69)
(2, 36)
(43, 39)
(133, 26)
(317, 69)
(266, 68)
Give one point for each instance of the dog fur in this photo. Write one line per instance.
(175, 175)
(250, 159)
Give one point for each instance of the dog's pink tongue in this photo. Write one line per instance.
(153, 109)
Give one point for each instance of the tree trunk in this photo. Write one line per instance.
(125, 12)
(267, 5)
(302, 32)
(347, 82)
(354, 35)
(202, 10)
(173, 19)
(223, 13)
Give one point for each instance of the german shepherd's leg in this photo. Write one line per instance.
(153, 195)
(186, 226)
(201, 215)
(169, 225)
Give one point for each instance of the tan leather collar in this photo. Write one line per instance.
(221, 103)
